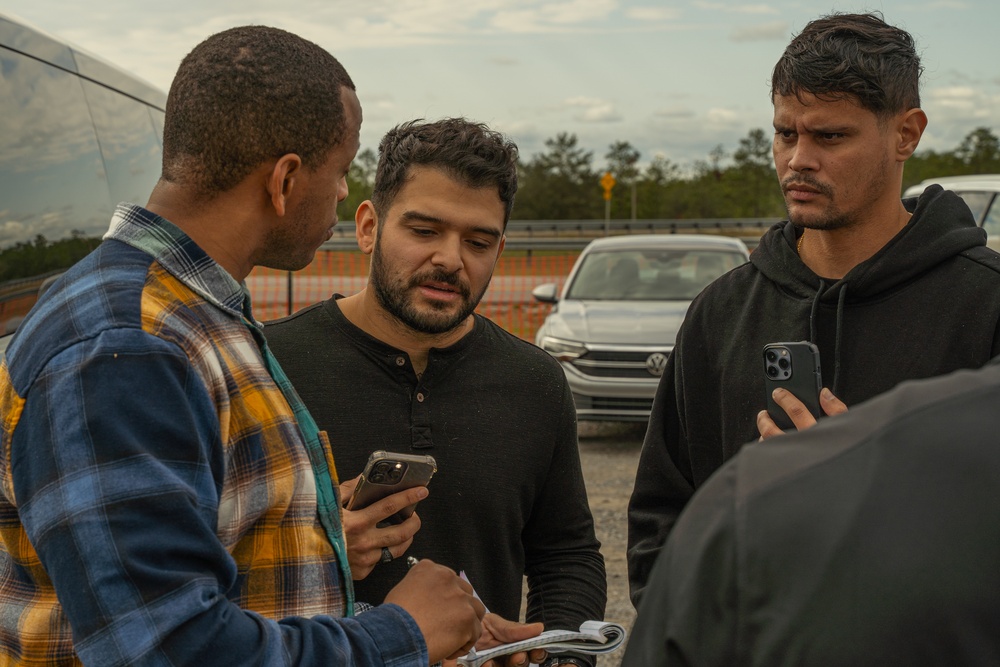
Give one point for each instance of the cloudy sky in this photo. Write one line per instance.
(673, 78)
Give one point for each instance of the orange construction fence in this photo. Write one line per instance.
(508, 301)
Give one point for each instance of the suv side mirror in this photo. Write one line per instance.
(546, 293)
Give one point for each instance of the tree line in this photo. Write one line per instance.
(563, 181)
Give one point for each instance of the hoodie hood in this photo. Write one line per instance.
(942, 226)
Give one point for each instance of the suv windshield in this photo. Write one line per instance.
(650, 274)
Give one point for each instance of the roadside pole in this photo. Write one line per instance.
(607, 182)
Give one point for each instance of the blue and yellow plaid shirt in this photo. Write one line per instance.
(164, 496)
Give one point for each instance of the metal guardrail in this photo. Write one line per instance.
(528, 243)
(653, 226)
(575, 234)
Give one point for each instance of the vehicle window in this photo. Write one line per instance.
(51, 176)
(157, 116)
(129, 143)
(991, 223)
(977, 201)
(650, 274)
(54, 203)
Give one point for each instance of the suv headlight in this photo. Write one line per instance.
(561, 349)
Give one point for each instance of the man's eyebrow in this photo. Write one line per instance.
(830, 128)
(418, 216)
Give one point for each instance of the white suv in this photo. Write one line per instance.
(980, 192)
(614, 323)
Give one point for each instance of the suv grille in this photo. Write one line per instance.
(616, 364)
(612, 404)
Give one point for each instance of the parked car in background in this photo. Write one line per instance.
(617, 316)
(982, 194)
(77, 136)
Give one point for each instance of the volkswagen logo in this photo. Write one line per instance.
(655, 363)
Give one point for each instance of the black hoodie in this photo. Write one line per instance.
(926, 304)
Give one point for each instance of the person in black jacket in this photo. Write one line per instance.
(871, 539)
(887, 289)
(406, 365)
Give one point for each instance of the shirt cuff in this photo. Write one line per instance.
(396, 635)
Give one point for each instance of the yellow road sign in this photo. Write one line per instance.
(607, 182)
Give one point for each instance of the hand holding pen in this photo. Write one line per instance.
(497, 630)
(443, 606)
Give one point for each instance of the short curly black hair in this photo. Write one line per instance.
(247, 95)
(857, 56)
(468, 151)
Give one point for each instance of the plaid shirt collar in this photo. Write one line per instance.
(179, 255)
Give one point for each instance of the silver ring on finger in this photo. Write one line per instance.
(386, 555)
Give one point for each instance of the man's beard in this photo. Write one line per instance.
(833, 217)
(393, 297)
(828, 219)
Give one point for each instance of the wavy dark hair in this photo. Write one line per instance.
(247, 95)
(468, 151)
(857, 56)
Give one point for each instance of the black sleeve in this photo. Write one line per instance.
(663, 481)
(567, 583)
(690, 612)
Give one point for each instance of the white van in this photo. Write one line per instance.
(981, 192)
(77, 136)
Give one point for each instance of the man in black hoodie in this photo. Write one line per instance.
(887, 290)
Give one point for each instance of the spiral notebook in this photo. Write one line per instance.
(592, 638)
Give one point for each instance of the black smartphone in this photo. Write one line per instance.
(387, 473)
(795, 367)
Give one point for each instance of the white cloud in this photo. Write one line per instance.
(730, 8)
(533, 17)
(761, 32)
(650, 13)
(949, 4)
(954, 111)
(723, 116)
(593, 110)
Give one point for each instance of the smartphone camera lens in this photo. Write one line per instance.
(395, 473)
(381, 473)
(771, 356)
(783, 363)
(772, 370)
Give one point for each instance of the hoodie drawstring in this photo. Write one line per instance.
(841, 298)
(812, 311)
(836, 346)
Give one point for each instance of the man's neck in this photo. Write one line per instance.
(833, 253)
(364, 311)
(215, 227)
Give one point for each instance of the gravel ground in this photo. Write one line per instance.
(609, 453)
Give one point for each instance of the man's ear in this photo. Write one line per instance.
(910, 128)
(366, 226)
(503, 244)
(281, 181)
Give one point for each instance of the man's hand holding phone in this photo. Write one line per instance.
(797, 411)
(365, 539)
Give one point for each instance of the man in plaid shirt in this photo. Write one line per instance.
(165, 498)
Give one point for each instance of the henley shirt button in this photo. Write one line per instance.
(420, 398)
(400, 361)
